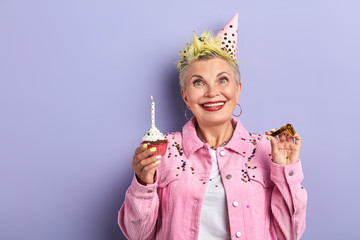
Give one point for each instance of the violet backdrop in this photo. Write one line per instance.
(75, 85)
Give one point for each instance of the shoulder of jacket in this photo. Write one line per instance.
(263, 149)
(174, 151)
(173, 136)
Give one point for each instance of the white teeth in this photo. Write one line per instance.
(214, 104)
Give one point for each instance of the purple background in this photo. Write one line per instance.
(75, 85)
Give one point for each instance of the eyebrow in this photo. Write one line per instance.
(199, 76)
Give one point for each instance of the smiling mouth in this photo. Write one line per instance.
(213, 106)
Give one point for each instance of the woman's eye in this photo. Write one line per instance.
(198, 83)
(223, 80)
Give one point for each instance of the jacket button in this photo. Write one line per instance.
(163, 180)
(222, 153)
(238, 234)
(291, 173)
(235, 204)
(228, 176)
(192, 232)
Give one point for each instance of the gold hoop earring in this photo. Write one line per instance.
(240, 111)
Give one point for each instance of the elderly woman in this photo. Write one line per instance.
(216, 180)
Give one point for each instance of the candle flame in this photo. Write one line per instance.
(152, 99)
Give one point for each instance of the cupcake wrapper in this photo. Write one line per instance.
(160, 148)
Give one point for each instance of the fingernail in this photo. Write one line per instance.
(145, 146)
(158, 157)
(153, 149)
(272, 129)
(268, 138)
(157, 162)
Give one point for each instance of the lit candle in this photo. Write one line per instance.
(152, 112)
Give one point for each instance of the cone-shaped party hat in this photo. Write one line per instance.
(229, 34)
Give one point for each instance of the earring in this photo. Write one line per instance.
(186, 112)
(240, 111)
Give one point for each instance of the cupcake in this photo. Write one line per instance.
(153, 137)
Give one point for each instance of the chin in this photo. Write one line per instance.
(214, 120)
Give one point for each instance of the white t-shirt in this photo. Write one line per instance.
(214, 219)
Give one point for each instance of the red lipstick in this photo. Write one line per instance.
(213, 106)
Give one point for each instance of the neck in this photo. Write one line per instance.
(215, 135)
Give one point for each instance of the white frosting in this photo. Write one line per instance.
(152, 135)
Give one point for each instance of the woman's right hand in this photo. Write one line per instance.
(144, 164)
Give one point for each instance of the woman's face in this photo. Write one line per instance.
(211, 91)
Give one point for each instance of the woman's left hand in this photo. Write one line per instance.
(285, 149)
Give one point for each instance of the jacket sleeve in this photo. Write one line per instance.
(288, 200)
(138, 214)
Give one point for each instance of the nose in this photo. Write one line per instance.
(212, 91)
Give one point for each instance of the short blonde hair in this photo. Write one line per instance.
(204, 47)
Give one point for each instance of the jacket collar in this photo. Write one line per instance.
(191, 142)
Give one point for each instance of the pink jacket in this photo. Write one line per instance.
(271, 203)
